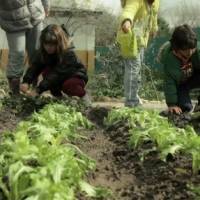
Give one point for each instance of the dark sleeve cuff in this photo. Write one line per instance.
(171, 104)
(26, 80)
(43, 86)
(39, 91)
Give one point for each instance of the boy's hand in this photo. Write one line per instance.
(24, 87)
(126, 26)
(175, 109)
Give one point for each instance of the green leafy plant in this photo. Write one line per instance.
(148, 125)
(38, 161)
(108, 79)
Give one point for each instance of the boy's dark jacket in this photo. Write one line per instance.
(57, 72)
(173, 75)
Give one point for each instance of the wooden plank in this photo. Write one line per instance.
(86, 57)
(82, 55)
(3, 58)
(91, 60)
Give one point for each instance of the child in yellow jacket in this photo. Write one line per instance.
(138, 23)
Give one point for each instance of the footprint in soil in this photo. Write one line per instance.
(97, 115)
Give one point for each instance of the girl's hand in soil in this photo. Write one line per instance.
(32, 93)
(175, 109)
(24, 87)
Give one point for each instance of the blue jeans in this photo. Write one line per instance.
(19, 43)
(183, 91)
(132, 79)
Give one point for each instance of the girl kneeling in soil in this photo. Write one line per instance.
(181, 60)
(58, 65)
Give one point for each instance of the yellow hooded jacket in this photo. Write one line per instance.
(143, 17)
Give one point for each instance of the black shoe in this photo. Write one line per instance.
(197, 107)
(14, 86)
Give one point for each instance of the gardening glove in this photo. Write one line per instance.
(24, 87)
(175, 109)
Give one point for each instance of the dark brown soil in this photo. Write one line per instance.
(8, 120)
(120, 168)
(16, 109)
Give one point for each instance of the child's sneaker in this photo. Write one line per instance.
(196, 107)
(87, 100)
(140, 101)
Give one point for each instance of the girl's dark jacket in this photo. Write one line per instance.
(58, 72)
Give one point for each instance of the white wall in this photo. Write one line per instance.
(81, 4)
(84, 37)
(3, 40)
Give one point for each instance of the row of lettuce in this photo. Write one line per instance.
(39, 161)
(149, 126)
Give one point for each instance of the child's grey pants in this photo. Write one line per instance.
(19, 43)
(132, 79)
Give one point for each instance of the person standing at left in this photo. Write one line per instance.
(22, 20)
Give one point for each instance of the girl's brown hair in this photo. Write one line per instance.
(54, 34)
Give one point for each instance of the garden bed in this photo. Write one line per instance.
(129, 173)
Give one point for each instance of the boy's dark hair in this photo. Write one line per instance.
(183, 38)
